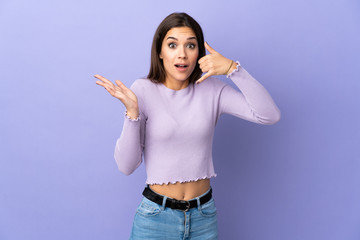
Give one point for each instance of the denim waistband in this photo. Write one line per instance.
(187, 200)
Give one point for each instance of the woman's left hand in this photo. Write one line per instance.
(214, 64)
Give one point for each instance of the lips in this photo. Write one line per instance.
(181, 65)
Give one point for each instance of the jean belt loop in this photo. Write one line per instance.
(198, 203)
(163, 203)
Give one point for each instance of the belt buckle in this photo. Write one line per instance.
(187, 206)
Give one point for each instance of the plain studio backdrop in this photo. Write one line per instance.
(296, 180)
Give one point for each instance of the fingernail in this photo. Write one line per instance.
(197, 82)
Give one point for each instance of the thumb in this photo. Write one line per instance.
(210, 49)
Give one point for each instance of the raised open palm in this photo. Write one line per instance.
(119, 91)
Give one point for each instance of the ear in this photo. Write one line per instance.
(160, 56)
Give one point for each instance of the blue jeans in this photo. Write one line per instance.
(155, 221)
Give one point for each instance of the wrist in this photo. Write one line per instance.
(231, 68)
(132, 113)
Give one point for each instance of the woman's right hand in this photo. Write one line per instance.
(121, 92)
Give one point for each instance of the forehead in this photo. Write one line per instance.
(180, 32)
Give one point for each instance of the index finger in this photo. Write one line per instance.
(102, 78)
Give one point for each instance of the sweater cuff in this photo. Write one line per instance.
(128, 117)
(235, 70)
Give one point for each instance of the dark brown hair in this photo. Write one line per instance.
(157, 72)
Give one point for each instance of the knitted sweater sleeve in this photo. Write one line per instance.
(130, 145)
(253, 103)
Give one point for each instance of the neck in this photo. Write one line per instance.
(176, 85)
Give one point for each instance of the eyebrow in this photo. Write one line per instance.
(190, 38)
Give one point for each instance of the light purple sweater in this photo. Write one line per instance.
(174, 131)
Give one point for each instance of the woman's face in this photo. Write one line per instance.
(179, 52)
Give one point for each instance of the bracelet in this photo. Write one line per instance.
(229, 67)
(235, 70)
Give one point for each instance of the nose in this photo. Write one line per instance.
(182, 52)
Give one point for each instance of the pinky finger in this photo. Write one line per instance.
(208, 74)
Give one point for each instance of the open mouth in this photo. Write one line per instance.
(181, 66)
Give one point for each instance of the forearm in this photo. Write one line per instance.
(262, 106)
(128, 149)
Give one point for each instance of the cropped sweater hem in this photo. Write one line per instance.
(180, 181)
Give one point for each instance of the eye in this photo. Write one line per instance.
(191, 45)
(172, 45)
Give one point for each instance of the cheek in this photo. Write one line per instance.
(166, 57)
(195, 57)
(196, 53)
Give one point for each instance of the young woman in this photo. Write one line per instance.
(170, 120)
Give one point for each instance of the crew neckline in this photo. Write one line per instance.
(176, 92)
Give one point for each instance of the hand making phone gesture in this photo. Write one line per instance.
(214, 64)
(121, 92)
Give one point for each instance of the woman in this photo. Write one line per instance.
(170, 120)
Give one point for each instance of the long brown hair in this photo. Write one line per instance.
(157, 72)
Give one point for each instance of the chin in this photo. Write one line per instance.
(183, 78)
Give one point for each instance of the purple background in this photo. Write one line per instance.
(298, 179)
